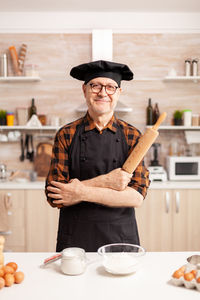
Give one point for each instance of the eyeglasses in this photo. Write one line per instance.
(97, 88)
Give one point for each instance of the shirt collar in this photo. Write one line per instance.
(90, 125)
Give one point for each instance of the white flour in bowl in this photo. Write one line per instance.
(120, 263)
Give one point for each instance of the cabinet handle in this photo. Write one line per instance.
(177, 197)
(8, 202)
(167, 202)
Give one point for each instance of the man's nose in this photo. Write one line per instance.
(103, 91)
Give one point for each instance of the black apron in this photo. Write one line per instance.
(90, 225)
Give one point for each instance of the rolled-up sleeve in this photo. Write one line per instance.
(59, 167)
(140, 179)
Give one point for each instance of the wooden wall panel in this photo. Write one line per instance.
(148, 55)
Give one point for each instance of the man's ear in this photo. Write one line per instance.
(84, 89)
(120, 90)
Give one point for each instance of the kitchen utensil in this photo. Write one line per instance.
(3, 172)
(73, 260)
(155, 148)
(42, 159)
(22, 156)
(13, 175)
(194, 260)
(51, 259)
(33, 176)
(143, 146)
(27, 146)
(32, 148)
(156, 171)
(121, 258)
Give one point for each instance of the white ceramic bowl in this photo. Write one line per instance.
(121, 258)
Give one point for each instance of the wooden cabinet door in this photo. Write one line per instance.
(15, 237)
(41, 222)
(186, 220)
(154, 220)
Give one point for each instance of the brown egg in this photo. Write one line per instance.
(12, 265)
(2, 272)
(8, 270)
(2, 282)
(177, 274)
(9, 279)
(19, 277)
(189, 276)
(194, 272)
(182, 269)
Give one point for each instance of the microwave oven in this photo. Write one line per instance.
(183, 167)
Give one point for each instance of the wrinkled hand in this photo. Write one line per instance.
(118, 179)
(66, 194)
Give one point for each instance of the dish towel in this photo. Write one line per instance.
(5, 205)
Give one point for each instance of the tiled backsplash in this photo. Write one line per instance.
(150, 56)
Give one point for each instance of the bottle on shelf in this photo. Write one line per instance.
(156, 113)
(195, 67)
(32, 109)
(188, 67)
(4, 65)
(149, 112)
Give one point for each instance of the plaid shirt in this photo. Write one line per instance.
(59, 168)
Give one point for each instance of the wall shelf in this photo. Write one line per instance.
(182, 78)
(29, 129)
(19, 79)
(172, 127)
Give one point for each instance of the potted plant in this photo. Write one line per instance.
(2, 117)
(177, 117)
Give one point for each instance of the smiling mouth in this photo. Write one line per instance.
(102, 100)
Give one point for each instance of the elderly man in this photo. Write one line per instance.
(95, 196)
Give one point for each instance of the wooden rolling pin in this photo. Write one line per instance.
(143, 146)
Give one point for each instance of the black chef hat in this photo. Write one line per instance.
(102, 68)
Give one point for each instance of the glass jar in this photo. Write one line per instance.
(195, 120)
(187, 117)
(22, 115)
(42, 119)
(10, 118)
(31, 70)
(73, 261)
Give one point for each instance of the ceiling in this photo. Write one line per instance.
(186, 6)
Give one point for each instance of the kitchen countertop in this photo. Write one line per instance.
(29, 185)
(150, 282)
(38, 185)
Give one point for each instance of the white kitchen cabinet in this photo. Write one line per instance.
(169, 220)
(186, 220)
(33, 223)
(15, 237)
(41, 222)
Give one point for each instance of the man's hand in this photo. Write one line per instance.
(117, 179)
(66, 194)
